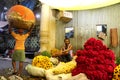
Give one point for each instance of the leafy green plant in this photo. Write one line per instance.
(46, 53)
(118, 60)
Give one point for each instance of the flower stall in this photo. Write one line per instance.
(95, 62)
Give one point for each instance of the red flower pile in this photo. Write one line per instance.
(96, 61)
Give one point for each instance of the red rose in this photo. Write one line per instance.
(96, 61)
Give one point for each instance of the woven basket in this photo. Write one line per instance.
(23, 18)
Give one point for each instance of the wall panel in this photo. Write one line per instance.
(84, 23)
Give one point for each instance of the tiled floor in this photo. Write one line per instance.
(6, 66)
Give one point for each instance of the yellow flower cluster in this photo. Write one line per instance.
(55, 52)
(116, 73)
(64, 67)
(42, 62)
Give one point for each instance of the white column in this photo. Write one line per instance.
(44, 33)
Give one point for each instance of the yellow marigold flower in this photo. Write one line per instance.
(42, 62)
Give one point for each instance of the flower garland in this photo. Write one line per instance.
(63, 67)
(42, 62)
(96, 61)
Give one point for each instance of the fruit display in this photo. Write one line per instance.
(42, 62)
(21, 17)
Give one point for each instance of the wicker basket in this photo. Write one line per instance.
(21, 19)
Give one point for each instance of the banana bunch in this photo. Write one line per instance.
(42, 62)
(55, 52)
(64, 67)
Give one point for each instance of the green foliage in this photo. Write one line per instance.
(46, 53)
(118, 60)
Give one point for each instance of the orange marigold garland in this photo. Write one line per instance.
(21, 16)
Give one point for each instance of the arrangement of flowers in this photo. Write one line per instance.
(42, 62)
(116, 75)
(55, 52)
(96, 61)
